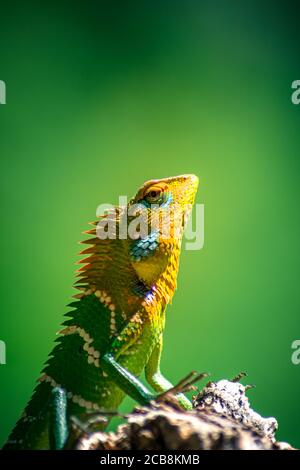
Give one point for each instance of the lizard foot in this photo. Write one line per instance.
(87, 424)
(94, 421)
(174, 396)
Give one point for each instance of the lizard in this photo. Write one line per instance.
(114, 330)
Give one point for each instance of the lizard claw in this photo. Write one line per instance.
(174, 395)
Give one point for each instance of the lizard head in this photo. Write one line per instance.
(163, 206)
(145, 255)
(167, 192)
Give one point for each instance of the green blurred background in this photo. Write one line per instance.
(104, 95)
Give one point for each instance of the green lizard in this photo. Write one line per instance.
(115, 328)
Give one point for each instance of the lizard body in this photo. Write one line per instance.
(114, 330)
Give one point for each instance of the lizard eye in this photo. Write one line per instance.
(153, 195)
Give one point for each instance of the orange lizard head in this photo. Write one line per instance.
(165, 205)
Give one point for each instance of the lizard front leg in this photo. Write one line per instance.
(119, 374)
(126, 381)
(155, 378)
